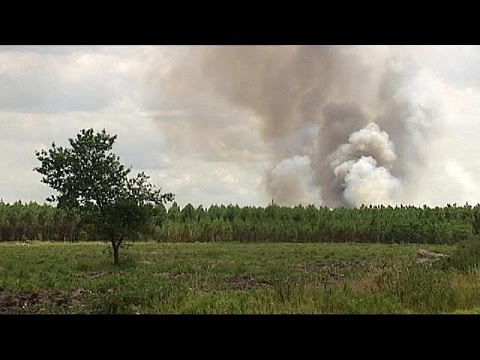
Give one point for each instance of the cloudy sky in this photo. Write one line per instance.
(329, 125)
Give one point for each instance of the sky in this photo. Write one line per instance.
(324, 125)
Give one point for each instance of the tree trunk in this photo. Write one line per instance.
(116, 257)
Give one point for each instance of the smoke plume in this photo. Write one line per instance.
(338, 125)
(362, 167)
(291, 181)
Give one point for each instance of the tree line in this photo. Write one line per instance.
(402, 224)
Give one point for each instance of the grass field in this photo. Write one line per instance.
(232, 278)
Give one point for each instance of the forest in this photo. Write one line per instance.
(273, 223)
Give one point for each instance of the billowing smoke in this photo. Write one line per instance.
(361, 168)
(338, 125)
(368, 141)
(365, 182)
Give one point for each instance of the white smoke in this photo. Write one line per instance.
(361, 167)
(292, 182)
(366, 183)
(369, 141)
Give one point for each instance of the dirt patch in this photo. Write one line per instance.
(246, 282)
(34, 302)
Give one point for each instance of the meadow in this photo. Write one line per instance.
(236, 278)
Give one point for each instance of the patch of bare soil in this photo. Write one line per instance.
(35, 302)
(246, 282)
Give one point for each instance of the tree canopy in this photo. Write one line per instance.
(88, 176)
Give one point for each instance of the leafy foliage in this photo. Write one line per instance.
(249, 224)
(89, 177)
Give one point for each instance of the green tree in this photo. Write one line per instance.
(89, 177)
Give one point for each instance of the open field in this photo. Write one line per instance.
(245, 278)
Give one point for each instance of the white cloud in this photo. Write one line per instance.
(76, 79)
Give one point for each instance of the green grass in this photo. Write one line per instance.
(466, 256)
(239, 278)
